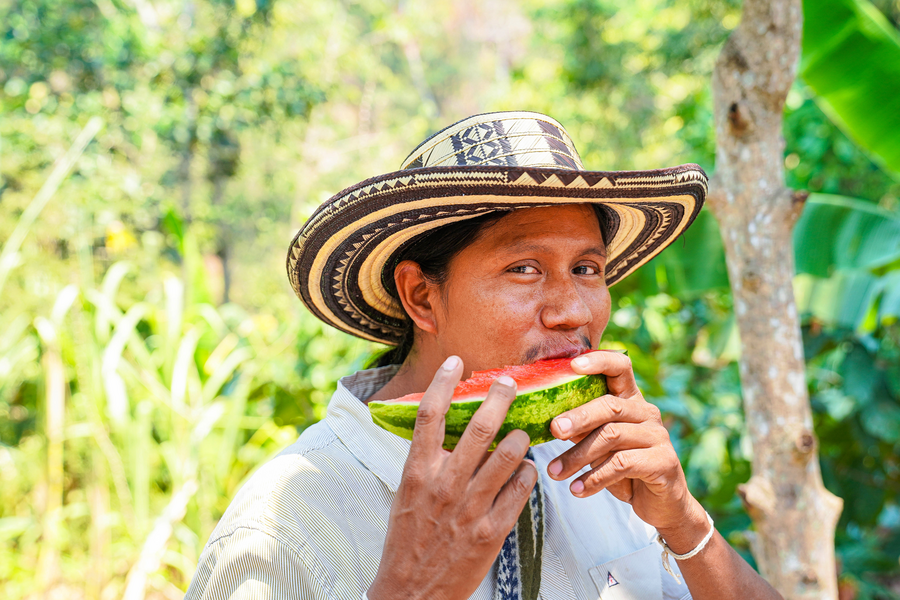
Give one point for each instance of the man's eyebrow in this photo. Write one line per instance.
(598, 250)
(524, 246)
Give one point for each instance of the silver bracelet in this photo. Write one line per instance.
(668, 551)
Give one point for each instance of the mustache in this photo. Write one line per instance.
(535, 352)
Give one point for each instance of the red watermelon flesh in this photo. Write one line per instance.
(543, 390)
(528, 378)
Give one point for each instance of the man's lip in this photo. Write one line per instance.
(570, 352)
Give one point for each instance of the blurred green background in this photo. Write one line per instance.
(152, 354)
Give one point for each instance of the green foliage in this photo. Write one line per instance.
(853, 385)
(821, 158)
(851, 58)
(163, 397)
(863, 236)
(226, 123)
(184, 97)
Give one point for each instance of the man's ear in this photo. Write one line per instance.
(416, 295)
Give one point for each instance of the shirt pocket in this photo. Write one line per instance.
(635, 576)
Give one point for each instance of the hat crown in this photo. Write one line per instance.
(507, 139)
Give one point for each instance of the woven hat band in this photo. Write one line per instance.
(508, 139)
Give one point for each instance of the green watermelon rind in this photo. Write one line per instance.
(531, 412)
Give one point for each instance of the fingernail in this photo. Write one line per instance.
(451, 363)
(564, 425)
(507, 381)
(555, 468)
(577, 486)
(581, 361)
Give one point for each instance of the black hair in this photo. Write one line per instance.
(433, 253)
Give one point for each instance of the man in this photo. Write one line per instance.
(492, 247)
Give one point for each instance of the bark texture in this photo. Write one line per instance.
(794, 515)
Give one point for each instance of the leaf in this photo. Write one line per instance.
(64, 301)
(890, 301)
(184, 360)
(836, 232)
(209, 416)
(882, 420)
(709, 455)
(220, 376)
(13, 527)
(116, 395)
(837, 404)
(860, 376)
(113, 279)
(851, 58)
(843, 299)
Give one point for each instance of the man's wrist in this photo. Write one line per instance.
(686, 535)
(381, 589)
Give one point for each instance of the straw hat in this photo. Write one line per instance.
(339, 262)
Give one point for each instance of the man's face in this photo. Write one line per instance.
(531, 287)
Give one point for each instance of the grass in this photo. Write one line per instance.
(147, 419)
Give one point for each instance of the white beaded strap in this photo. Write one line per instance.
(668, 551)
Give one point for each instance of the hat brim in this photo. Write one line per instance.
(336, 262)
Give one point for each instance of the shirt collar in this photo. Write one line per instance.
(382, 452)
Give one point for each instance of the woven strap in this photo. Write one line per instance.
(519, 563)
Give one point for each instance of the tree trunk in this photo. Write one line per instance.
(794, 515)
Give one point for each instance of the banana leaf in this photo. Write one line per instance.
(847, 252)
(840, 233)
(851, 58)
(845, 299)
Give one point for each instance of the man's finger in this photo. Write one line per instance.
(482, 428)
(622, 490)
(640, 464)
(598, 444)
(605, 409)
(615, 365)
(501, 463)
(428, 435)
(512, 498)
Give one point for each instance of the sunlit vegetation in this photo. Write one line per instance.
(152, 354)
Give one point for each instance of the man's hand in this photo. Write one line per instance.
(621, 436)
(453, 510)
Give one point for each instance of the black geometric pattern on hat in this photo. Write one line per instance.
(498, 139)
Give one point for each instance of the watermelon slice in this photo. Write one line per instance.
(544, 390)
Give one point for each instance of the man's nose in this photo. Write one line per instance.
(564, 308)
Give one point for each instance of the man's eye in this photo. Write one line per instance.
(586, 270)
(525, 270)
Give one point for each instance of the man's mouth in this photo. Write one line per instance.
(558, 348)
(568, 351)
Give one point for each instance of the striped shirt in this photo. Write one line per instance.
(311, 523)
